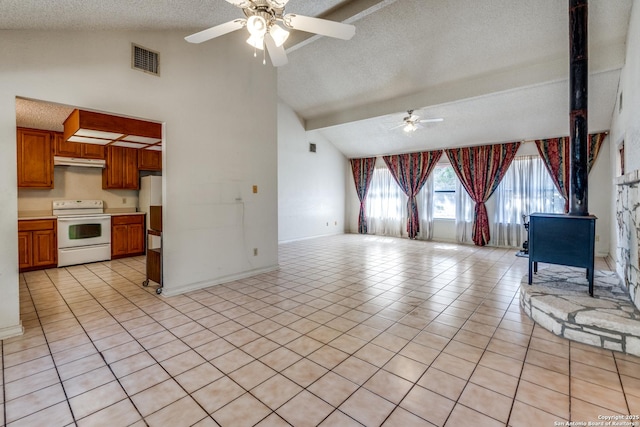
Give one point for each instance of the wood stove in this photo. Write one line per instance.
(562, 239)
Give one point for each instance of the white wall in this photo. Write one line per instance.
(311, 186)
(599, 201)
(218, 105)
(626, 121)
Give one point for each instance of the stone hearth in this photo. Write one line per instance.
(558, 300)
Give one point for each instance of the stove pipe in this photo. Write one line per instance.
(578, 126)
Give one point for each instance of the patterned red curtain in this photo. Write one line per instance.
(411, 172)
(555, 155)
(362, 173)
(480, 170)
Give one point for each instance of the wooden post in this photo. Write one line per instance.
(578, 125)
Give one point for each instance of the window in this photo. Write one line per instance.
(526, 188)
(444, 192)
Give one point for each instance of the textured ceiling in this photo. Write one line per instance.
(495, 70)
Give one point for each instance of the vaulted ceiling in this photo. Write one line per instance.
(494, 70)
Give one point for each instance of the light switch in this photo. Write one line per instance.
(255, 189)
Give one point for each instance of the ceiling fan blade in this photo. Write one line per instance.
(217, 31)
(277, 54)
(434, 120)
(398, 126)
(240, 3)
(319, 26)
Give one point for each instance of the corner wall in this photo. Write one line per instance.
(311, 186)
(213, 155)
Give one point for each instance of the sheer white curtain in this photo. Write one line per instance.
(386, 204)
(525, 189)
(464, 214)
(425, 209)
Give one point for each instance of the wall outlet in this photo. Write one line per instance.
(255, 189)
(255, 251)
(124, 200)
(597, 237)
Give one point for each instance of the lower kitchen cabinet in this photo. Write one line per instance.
(37, 244)
(127, 235)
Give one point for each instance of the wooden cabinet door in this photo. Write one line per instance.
(121, 171)
(149, 160)
(44, 248)
(112, 176)
(136, 238)
(92, 151)
(35, 159)
(119, 240)
(131, 174)
(25, 249)
(66, 149)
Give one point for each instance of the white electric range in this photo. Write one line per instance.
(84, 231)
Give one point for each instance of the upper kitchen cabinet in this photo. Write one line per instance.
(77, 149)
(35, 158)
(149, 160)
(121, 171)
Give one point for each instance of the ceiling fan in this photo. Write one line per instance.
(262, 17)
(411, 122)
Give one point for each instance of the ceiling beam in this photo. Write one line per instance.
(603, 58)
(348, 13)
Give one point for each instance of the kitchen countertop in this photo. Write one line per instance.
(27, 215)
(125, 213)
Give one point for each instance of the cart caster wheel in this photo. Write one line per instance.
(159, 291)
(145, 283)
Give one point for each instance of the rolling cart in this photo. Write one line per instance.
(154, 250)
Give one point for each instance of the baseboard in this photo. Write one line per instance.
(173, 291)
(11, 331)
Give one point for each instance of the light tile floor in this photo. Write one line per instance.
(350, 331)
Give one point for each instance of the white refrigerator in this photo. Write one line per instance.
(150, 195)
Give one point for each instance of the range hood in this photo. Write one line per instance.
(105, 129)
(72, 161)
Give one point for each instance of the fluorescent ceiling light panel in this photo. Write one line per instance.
(140, 139)
(127, 144)
(98, 134)
(86, 140)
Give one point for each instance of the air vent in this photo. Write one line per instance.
(312, 147)
(145, 60)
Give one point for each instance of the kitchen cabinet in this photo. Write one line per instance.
(127, 235)
(149, 160)
(35, 158)
(37, 244)
(76, 149)
(121, 171)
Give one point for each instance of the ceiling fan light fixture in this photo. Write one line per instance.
(410, 127)
(278, 34)
(256, 41)
(257, 26)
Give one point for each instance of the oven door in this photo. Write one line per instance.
(84, 230)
